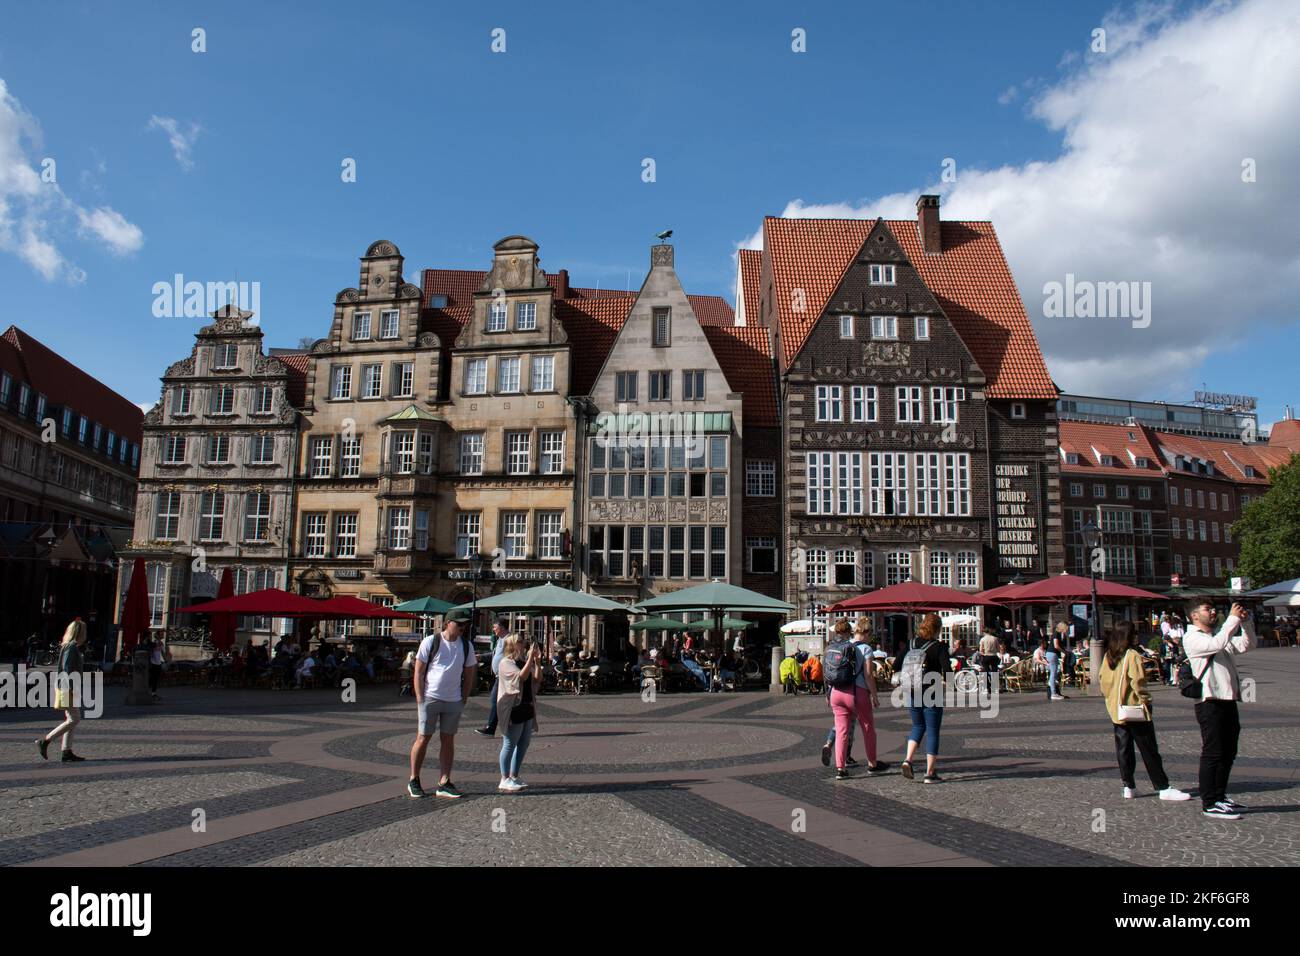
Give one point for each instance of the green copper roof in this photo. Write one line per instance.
(412, 414)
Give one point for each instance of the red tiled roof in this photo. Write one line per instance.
(745, 354)
(297, 364)
(1230, 458)
(592, 325)
(970, 279)
(712, 310)
(1082, 438)
(751, 271)
(1285, 434)
(65, 385)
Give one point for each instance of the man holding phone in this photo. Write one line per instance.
(1211, 656)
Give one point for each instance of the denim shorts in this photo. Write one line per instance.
(436, 713)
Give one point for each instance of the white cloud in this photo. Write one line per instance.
(34, 214)
(1148, 187)
(182, 143)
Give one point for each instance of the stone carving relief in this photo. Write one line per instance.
(887, 353)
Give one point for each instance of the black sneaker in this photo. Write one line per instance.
(850, 762)
(1233, 805)
(906, 768)
(448, 790)
(70, 757)
(484, 732)
(414, 790)
(43, 746)
(880, 767)
(841, 774)
(826, 755)
(1221, 811)
(932, 778)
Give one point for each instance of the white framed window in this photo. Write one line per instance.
(218, 449)
(526, 316)
(389, 323)
(848, 482)
(760, 478)
(1205, 566)
(227, 356)
(257, 515)
(1144, 493)
(167, 516)
(1178, 564)
(469, 527)
(815, 567)
(543, 373)
(212, 516)
(361, 327)
(180, 405)
(341, 381)
(372, 381)
(760, 555)
(404, 379)
(1019, 410)
(314, 541)
(1099, 491)
(968, 569)
(882, 274)
(830, 403)
(909, 405)
(1121, 492)
(846, 567)
(322, 456)
(221, 401)
(514, 534)
(846, 326)
(922, 328)
(1203, 530)
(263, 399)
(552, 457)
(421, 530)
(889, 484)
(345, 535)
(1227, 533)
(863, 404)
(508, 375)
(1214, 501)
(476, 376)
(1218, 567)
(550, 531)
(944, 402)
(497, 316)
(1225, 501)
(426, 453)
(884, 327)
(173, 450)
(1175, 529)
(1200, 498)
(261, 449)
(399, 529)
(471, 453)
(349, 457)
(157, 575)
(821, 487)
(929, 490)
(403, 452)
(941, 569)
(518, 452)
(898, 567)
(1214, 531)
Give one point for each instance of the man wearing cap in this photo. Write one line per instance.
(444, 676)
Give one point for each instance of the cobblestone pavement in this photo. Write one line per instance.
(267, 778)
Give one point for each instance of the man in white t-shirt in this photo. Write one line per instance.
(444, 675)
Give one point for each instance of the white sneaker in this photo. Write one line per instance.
(509, 786)
(520, 784)
(1173, 793)
(1129, 793)
(504, 785)
(1057, 697)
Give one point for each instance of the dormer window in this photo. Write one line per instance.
(1250, 472)
(1107, 461)
(438, 302)
(882, 274)
(1142, 462)
(1071, 457)
(497, 317)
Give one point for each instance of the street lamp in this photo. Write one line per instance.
(1092, 540)
(475, 569)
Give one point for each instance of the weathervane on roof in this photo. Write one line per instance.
(664, 236)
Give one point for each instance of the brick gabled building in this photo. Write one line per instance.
(919, 432)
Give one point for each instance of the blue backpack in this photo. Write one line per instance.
(840, 665)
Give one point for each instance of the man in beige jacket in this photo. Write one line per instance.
(1210, 654)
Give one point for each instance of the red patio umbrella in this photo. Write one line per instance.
(135, 610)
(347, 606)
(910, 596)
(223, 625)
(1070, 587)
(268, 602)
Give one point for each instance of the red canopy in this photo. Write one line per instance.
(223, 625)
(1070, 587)
(269, 602)
(348, 606)
(135, 610)
(910, 596)
(1004, 594)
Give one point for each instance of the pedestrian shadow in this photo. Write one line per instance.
(1039, 772)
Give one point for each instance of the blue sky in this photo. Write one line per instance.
(457, 146)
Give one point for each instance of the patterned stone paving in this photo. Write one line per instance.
(293, 779)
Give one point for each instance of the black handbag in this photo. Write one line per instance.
(1189, 685)
(524, 711)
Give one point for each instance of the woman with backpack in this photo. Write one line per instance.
(1124, 685)
(70, 662)
(921, 670)
(847, 672)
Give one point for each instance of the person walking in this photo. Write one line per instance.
(1128, 702)
(519, 676)
(852, 695)
(500, 627)
(71, 661)
(445, 671)
(158, 654)
(921, 671)
(1056, 652)
(1210, 657)
(990, 658)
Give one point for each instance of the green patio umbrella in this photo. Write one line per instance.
(717, 597)
(548, 599)
(657, 624)
(728, 624)
(425, 605)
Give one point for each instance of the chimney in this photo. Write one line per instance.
(927, 224)
(562, 284)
